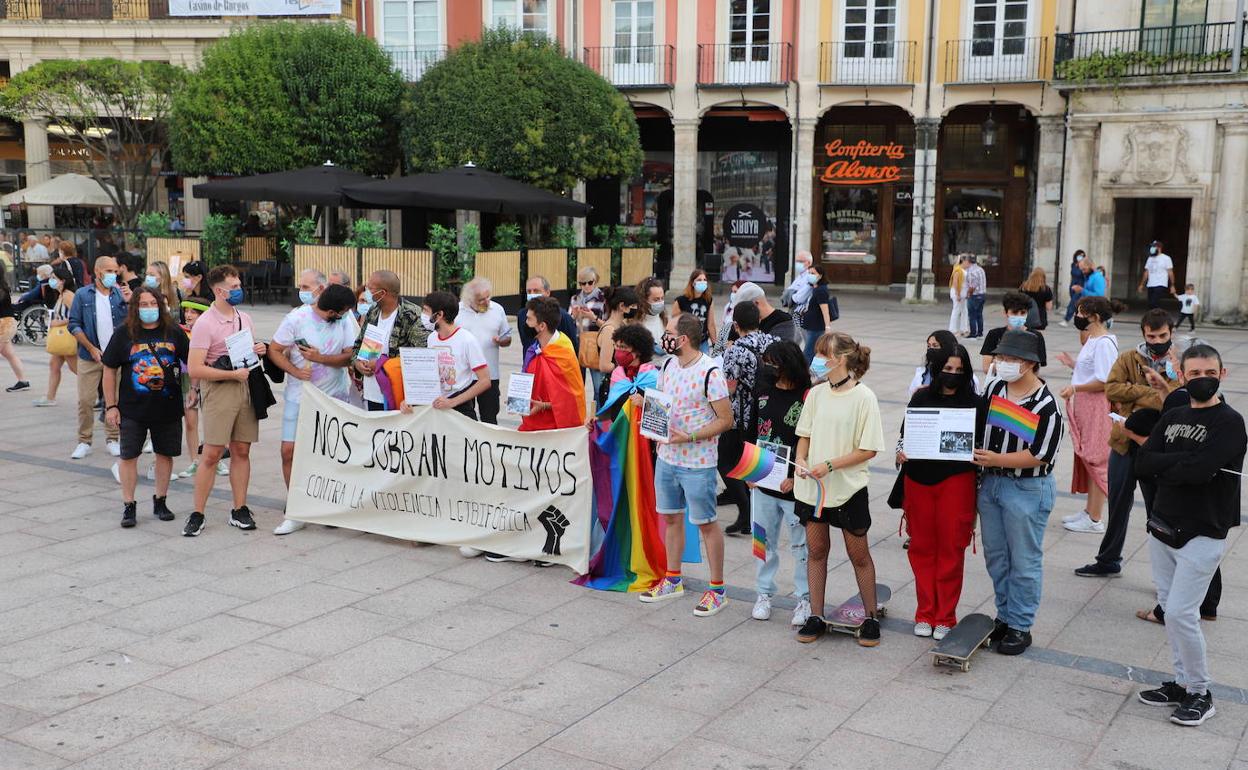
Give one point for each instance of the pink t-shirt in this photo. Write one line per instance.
(210, 331)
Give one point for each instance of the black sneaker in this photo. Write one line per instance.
(1096, 569)
(194, 525)
(812, 629)
(19, 385)
(241, 518)
(160, 510)
(736, 528)
(1169, 694)
(869, 633)
(1194, 710)
(998, 630)
(1014, 642)
(127, 514)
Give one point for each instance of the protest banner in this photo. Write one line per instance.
(436, 476)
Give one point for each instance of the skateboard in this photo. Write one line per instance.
(848, 617)
(967, 636)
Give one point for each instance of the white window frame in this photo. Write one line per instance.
(999, 63)
(414, 65)
(517, 18)
(750, 71)
(869, 67)
(639, 68)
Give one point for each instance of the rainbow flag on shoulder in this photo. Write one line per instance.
(1012, 418)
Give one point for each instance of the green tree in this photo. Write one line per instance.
(112, 112)
(286, 95)
(515, 104)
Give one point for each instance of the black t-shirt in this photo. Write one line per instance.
(150, 373)
(700, 308)
(778, 413)
(1041, 298)
(812, 319)
(993, 338)
(776, 318)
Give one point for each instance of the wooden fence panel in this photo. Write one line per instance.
(174, 252)
(502, 268)
(551, 264)
(256, 249)
(636, 264)
(413, 266)
(316, 256)
(598, 259)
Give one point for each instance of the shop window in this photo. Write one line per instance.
(640, 196)
(972, 223)
(742, 186)
(850, 229)
(999, 27)
(963, 149)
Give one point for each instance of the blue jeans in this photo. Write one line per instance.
(1012, 516)
(1070, 306)
(975, 312)
(769, 513)
(677, 488)
(812, 336)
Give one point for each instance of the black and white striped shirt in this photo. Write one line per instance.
(1048, 432)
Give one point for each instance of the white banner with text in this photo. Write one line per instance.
(255, 7)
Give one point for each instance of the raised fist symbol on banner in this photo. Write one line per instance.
(555, 524)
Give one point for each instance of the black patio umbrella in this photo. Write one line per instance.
(464, 187)
(315, 185)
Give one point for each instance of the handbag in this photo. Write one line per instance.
(834, 308)
(588, 354)
(1167, 533)
(897, 496)
(60, 342)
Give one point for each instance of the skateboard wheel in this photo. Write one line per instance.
(935, 661)
(966, 666)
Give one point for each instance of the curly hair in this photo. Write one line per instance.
(637, 338)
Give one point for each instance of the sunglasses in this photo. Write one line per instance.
(586, 283)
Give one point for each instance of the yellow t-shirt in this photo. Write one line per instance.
(837, 424)
(957, 278)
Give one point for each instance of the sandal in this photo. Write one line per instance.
(1149, 616)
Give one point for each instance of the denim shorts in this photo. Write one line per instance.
(677, 488)
(290, 420)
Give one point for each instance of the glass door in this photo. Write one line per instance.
(634, 61)
(410, 33)
(749, 38)
(1000, 48)
(869, 52)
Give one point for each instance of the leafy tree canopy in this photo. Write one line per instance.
(515, 104)
(284, 95)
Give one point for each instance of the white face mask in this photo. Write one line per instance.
(1010, 371)
(426, 322)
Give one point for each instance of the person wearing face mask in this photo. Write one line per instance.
(193, 285)
(1196, 455)
(396, 320)
(558, 398)
(143, 395)
(537, 286)
(727, 335)
(817, 318)
(939, 340)
(623, 309)
(654, 313)
(62, 284)
(1158, 276)
(462, 369)
(311, 284)
(797, 293)
(742, 371)
(312, 345)
(158, 277)
(485, 320)
(1021, 429)
(939, 502)
(1017, 306)
(1075, 290)
(97, 310)
(698, 300)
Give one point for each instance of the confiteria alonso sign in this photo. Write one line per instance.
(862, 162)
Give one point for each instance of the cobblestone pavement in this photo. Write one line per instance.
(330, 648)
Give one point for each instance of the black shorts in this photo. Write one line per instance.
(166, 437)
(854, 515)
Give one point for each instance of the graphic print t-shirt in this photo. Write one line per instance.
(150, 372)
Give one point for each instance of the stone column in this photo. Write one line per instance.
(38, 169)
(1048, 196)
(921, 281)
(195, 209)
(803, 192)
(578, 223)
(685, 214)
(1227, 265)
(1077, 207)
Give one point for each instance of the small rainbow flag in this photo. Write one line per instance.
(370, 350)
(754, 465)
(760, 543)
(1012, 418)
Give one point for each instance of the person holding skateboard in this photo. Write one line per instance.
(832, 476)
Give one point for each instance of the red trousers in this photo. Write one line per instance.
(941, 519)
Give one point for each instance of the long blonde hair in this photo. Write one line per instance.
(166, 284)
(1036, 281)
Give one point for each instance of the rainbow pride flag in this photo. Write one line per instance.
(755, 464)
(760, 542)
(1012, 418)
(557, 380)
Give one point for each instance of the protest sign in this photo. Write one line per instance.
(939, 434)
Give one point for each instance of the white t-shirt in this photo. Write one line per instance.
(372, 391)
(1189, 303)
(459, 357)
(485, 327)
(1158, 268)
(103, 318)
(329, 338)
(692, 389)
(1095, 359)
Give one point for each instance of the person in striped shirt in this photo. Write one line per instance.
(1021, 429)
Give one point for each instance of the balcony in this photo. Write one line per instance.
(412, 62)
(641, 66)
(892, 62)
(735, 65)
(1112, 55)
(999, 60)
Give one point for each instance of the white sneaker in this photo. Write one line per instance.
(116, 469)
(940, 632)
(223, 468)
(1073, 517)
(1062, 323)
(287, 526)
(801, 613)
(190, 471)
(762, 608)
(114, 448)
(922, 629)
(1085, 524)
(80, 451)
(44, 402)
(469, 553)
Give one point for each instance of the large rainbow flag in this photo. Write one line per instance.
(558, 380)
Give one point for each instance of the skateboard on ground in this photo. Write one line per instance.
(849, 617)
(967, 636)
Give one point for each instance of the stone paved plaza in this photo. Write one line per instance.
(336, 649)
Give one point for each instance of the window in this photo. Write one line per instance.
(1171, 13)
(526, 15)
(999, 28)
(870, 29)
(634, 31)
(1173, 26)
(411, 33)
(749, 30)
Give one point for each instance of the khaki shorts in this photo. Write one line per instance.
(226, 414)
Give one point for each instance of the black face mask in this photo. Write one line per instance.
(1159, 349)
(932, 355)
(1203, 388)
(631, 313)
(951, 380)
(1082, 323)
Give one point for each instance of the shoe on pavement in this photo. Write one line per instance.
(116, 470)
(762, 608)
(710, 603)
(1096, 569)
(922, 629)
(1014, 642)
(190, 471)
(1194, 710)
(1062, 323)
(194, 525)
(287, 526)
(940, 632)
(147, 446)
(661, 592)
(540, 563)
(1085, 524)
(80, 451)
(498, 558)
(869, 633)
(800, 613)
(128, 514)
(241, 518)
(1072, 517)
(812, 629)
(19, 385)
(161, 510)
(469, 553)
(1169, 694)
(114, 448)
(998, 630)
(223, 468)
(43, 402)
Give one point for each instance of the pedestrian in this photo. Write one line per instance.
(537, 286)
(684, 473)
(698, 300)
(67, 254)
(62, 285)
(976, 295)
(727, 334)
(1037, 288)
(462, 370)
(1016, 307)
(485, 320)
(1196, 454)
(143, 395)
(654, 313)
(939, 340)
(393, 319)
(310, 284)
(939, 501)
(797, 293)
(193, 284)
(623, 309)
(1095, 283)
(1075, 290)
(1132, 385)
(130, 266)
(228, 413)
(775, 428)
(1188, 303)
(632, 354)
(157, 277)
(8, 328)
(771, 319)
(817, 318)
(558, 396)
(588, 307)
(1021, 427)
(313, 345)
(959, 323)
(192, 309)
(741, 369)
(98, 308)
(1158, 276)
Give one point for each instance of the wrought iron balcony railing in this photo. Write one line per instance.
(868, 63)
(996, 60)
(745, 64)
(413, 61)
(1190, 49)
(638, 66)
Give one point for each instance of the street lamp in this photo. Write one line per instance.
(988, 131)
